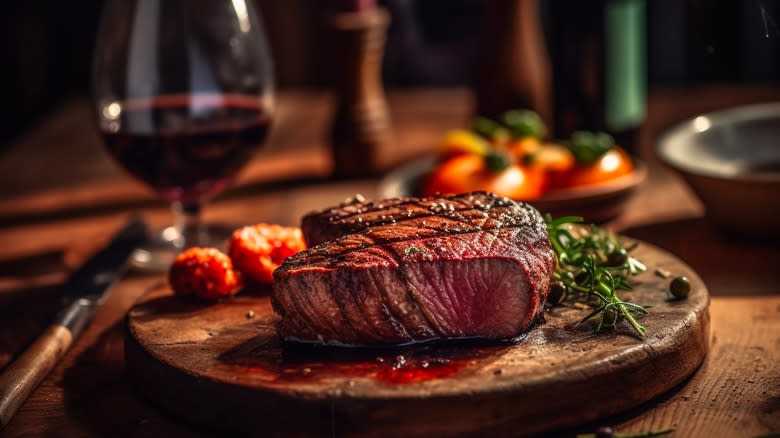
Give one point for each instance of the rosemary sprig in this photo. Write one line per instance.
(593, 265)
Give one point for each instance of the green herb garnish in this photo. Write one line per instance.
(490, 129)
(412, 249)
(593, 265)
(524, 123)
(497, 161)
(518, 123)
(587, 146)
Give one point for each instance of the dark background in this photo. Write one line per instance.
(47, 46)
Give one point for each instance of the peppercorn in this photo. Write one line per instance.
(609, 317)
(582, 278)
(558, 293)
(617, 257)
(680, 287)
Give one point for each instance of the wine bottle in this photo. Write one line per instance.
(598, 55)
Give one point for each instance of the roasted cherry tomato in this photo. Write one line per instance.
(524, 147)
(552, 157)
(612, 164)
(205, 272)
(257, 250)
(466, 173)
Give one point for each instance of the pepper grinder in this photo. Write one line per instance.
(361, 127)
(513, 70)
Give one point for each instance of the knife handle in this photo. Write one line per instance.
(21, 378)
(24, 374)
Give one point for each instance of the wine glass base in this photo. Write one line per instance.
(160, 252)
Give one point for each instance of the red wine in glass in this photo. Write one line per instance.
(188, 148)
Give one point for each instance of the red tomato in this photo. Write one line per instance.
(205, 272)
(466, 173)
(613, 164)
(524, 146)
(257, 250)
(553, 158)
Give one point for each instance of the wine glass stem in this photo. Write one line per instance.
(188, 224)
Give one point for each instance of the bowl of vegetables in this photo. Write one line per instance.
(586, 175)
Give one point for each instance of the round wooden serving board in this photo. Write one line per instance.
(222, 366)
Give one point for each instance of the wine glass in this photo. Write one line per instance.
(183, 93)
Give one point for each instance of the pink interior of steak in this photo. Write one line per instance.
(478, 297)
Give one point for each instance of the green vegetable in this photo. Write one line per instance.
(497, 161)
(529, 159)
(524, 123)
(680, 287)
(587, 146)
(585, 269)
(490, 129)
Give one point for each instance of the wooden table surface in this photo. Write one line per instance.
(60, 195)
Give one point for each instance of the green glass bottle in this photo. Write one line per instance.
(598, 53)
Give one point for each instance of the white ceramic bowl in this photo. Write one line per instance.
(731, 160)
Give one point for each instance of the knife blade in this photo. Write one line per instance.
(86, 288)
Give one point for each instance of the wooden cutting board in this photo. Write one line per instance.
(222, 366)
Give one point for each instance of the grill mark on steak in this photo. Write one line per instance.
(363, 208)
(319, 226)
(373, 242)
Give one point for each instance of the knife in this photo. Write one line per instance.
(86, 288)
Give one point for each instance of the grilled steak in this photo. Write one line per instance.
(408, 269)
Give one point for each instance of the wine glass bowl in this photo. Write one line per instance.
(195, 146)
(183, 94)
